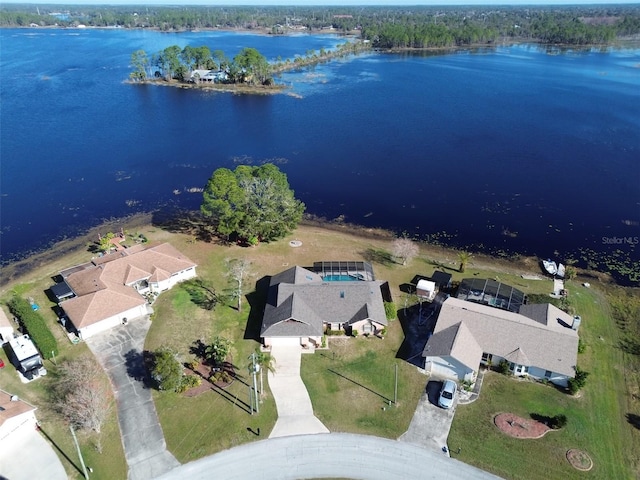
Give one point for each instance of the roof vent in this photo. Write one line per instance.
(341, 293)
(14, 398)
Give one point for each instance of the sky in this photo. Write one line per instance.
(325, 2)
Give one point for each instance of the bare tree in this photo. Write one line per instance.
(82, 395)
(405, 249)
(238, 270)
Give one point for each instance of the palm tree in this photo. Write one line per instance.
(266, 362)
(464, 258)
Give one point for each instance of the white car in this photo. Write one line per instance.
(447, 394)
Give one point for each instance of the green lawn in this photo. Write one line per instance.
(218, 419)
(596, 421)
(352, 382)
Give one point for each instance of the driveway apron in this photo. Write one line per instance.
(295, 412)
(430, 424)
(120, 352)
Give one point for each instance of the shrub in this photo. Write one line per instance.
(189, 381)
(166, 371)
(559, 421)
(35, 326)
(390, 310)
(193, 364)
(354, 332)
(581, 346)
(579, 381)
(324, 341)
(503, 367)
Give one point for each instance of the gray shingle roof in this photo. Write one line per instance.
(550, 345)
(300, 302)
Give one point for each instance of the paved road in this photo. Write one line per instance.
(25, 455)
(119, 351)
(295, 412)
(333, 455)
(430, 424)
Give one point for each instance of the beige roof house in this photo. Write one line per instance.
(14, 414)
(540, 336)
(112, 287)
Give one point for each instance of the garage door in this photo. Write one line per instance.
(442, 370)
(285, 341)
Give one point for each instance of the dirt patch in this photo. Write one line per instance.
(519, 427)
(579, 460)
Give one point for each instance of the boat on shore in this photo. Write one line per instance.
(553, 268)
(550, 267)
(560, 272)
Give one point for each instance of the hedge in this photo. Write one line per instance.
(35, 326)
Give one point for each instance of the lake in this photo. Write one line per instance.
(508, 149)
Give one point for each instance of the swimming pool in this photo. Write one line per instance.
(339, 278)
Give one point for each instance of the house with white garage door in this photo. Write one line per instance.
(540, 341)
(304, 302)
(115, 288)
(15, 416)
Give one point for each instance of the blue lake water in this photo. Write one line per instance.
(513, 148)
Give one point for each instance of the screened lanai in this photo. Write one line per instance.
(490, 292)
(342, 271)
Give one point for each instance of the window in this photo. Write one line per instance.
(547, 374)
(487, 357)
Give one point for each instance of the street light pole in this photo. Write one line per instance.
(254, 370)
(75, 440)
(395, 390)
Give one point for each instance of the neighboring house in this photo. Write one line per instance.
(302, 303)
(118, 287)
(208, 76)
(6, 329)
(15, 415)
(539, 342)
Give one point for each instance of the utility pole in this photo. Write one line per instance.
(395, 390)
(75, 440)
(254, 370)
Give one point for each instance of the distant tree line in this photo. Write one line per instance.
(385, 26)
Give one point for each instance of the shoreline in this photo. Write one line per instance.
(45, 262)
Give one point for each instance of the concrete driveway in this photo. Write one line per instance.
(120, 352)
(430, 424)
(26, 455)
(295, 412)
(329, 455)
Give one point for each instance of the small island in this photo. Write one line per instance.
(248, 72)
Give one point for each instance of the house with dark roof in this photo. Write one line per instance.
(540, 341)
(115, 288)
(303, 303)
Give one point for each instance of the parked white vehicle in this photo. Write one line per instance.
(447, 394)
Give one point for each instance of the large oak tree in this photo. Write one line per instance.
(255, 203)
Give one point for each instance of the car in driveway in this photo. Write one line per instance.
(447, 394)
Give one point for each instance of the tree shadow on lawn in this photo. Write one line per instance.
(417, 326)
(381, 257)
(257, 301)
(185, 221)
(634, 420)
